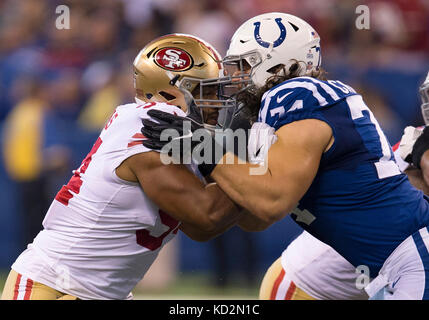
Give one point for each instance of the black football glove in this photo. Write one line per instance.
(152, 130)
(186, 128)
(420, 147)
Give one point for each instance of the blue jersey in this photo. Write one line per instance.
(359, 202)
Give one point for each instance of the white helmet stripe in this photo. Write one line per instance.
(325, 87)
(289, 85)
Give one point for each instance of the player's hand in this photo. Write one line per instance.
(411, 134)
(153, 128)
(183, 131)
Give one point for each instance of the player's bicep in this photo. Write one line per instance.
(173, 188)
(177, 191)
(294, 159)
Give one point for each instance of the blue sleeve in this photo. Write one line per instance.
(300, 98)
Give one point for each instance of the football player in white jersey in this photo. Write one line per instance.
(105, 227)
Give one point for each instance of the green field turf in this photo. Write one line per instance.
(189, 286)
(198, 286)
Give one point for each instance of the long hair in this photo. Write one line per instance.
(251, 98)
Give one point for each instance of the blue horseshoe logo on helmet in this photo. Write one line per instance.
(279, 40)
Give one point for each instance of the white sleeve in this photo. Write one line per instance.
(135, 143)
(261, 137)
(124, 138)
(403, 165)
(405, 146)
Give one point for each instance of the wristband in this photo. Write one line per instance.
(420, 147)
(219, 149)
(206, 168)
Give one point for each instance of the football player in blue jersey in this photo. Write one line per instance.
(331, 168)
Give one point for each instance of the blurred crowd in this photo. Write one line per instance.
(58, 86)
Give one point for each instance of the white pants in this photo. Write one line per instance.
(321, 271)
(405, 274)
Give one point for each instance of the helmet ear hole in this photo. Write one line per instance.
(295, 68)
(166, 95)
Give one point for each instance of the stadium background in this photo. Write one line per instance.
(58, 87)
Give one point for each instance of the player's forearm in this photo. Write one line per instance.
(221, 211)
(177, 191)
(207, 209)
(249, 222)
(292, 162)
(197, 234)
(259, 194)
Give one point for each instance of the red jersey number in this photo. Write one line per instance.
(145, 239)
(113, 117)
(75, 183)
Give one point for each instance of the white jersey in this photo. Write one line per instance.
(322, 272)
(101, 233)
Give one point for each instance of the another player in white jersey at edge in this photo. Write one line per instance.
(331, 168)
(122, 205)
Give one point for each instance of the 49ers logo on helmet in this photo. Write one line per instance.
(173, 59)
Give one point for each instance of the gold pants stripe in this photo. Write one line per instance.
(19, 287)
(274, 279)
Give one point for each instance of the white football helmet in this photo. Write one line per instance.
(424, 94)
(274, 39)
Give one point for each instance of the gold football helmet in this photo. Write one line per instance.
(185, 71)
(171, 63)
